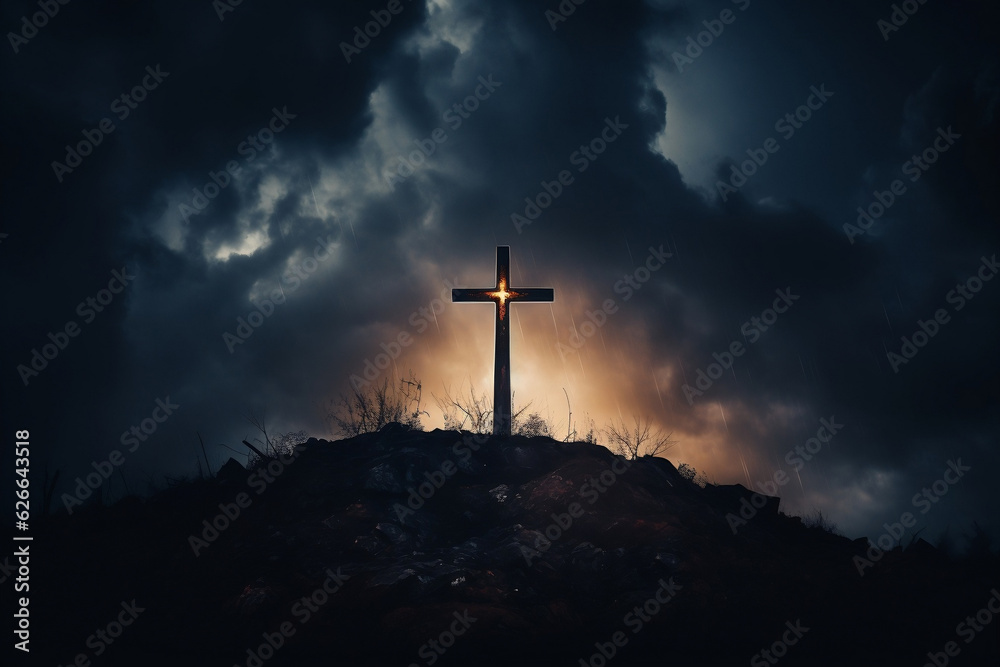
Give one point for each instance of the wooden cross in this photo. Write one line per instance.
(502, 295)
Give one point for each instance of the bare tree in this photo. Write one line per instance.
(532, 425)
(269, 446)
(637, 440)
(368, 409)
(691, 474)
(474, 412)
(817, 520)
(259, 422)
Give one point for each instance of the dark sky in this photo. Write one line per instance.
(321, 214)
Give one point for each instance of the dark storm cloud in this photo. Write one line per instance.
(393, 242)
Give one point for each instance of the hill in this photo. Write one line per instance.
(418, 548)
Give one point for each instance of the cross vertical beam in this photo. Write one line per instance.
(503, 295)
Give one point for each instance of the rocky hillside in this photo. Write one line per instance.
(412, 548)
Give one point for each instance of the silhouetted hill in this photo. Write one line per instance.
(633, 553)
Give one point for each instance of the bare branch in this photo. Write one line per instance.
(638, 439)
(472, 411)
(255, 450)
(368, 409)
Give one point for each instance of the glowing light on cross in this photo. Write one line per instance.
(502, 294)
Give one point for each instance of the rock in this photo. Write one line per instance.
(500, 493)
(586, 557)
(523, 457)
(438, 575)
(668, 560)
(368, 544)
(392, 576)
(254, 597)
(232, 471)
(392, 533)
(384, 477)
(494, 540)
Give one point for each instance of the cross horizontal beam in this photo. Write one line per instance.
(530, 294)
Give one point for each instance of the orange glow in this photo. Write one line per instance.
(501, 295)
(622, 369)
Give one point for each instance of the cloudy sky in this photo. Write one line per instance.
(669, 168)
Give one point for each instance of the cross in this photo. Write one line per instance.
(502, 295)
